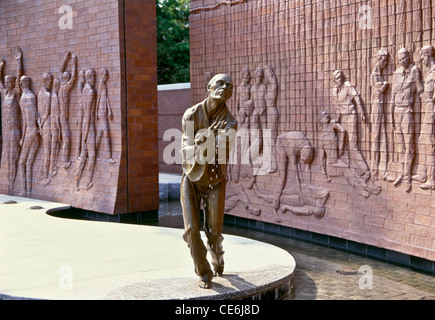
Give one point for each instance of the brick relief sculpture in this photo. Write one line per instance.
(44, 123)
(67, 83)
(240, 169)
(79, 123)
(347, 78)
(11, 120)
(259, 116)
(272, 115)
(46, 127)
(104, 114)
(407, 85)
(30, 137)
(425, 173)
(379, 88)
(295, 192)
(87, 158)
(348, 102)
(87, 139)
(56, 128)
(295, 155)
(332, 149)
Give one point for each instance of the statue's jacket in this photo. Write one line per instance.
(208, 174)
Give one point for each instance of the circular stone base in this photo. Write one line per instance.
(45, 257)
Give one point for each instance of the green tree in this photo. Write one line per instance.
(173, 46)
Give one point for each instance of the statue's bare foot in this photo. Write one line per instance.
(205, 280)
(252, 210)
(407, 185)
(68, 164)
(46, 181)
(219, 271)
(54, 172)
(204, 284)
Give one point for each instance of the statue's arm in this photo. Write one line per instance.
(2, 66)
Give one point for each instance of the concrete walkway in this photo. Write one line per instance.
(45, 257)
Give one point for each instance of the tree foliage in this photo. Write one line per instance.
(173, 46)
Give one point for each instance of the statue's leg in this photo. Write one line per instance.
(213, 225)
(190, 203)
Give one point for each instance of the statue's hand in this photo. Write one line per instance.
(217, 125)
(19, 54)
(201, 137)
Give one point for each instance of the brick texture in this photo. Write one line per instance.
(172, 105)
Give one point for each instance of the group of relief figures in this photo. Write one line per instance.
(291, 153)
(31, 123)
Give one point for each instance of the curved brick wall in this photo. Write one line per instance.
(304, 42)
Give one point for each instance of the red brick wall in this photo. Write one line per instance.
(172, 105)
(304, 42)
(142, 109)
(97, 38)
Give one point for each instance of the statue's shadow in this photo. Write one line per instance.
(233, 286)
(303, 286)
(230, 284)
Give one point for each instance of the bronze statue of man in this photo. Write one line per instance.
(205, 128)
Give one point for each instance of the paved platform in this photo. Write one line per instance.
(45, 257)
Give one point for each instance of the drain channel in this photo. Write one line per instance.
(348, 271)
(36, 208)
(10, 202)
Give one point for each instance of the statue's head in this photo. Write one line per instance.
(47, 81)
(104, 74)
(91, 77)
(339, 77)
(246, 76)
(404, 57)
(427, 54)
(207, 76)
(25, 82)
(307, 154)
(324, 117)
(382, 58)
(66, 76)
(220, 87)
(10, 82)
(56, 85)
(259, 74)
